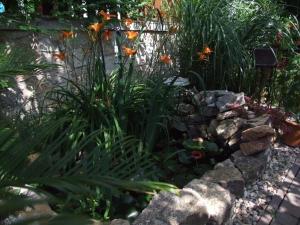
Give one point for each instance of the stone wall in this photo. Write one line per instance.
(27, 95)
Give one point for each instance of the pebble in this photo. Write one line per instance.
(251, 207)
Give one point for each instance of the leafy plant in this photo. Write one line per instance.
(94, 135)
(207, 24)
(286, 85)
(15, 61)
(74, 174)
(75, 9)
(229, 30)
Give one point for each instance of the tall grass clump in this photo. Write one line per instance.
(230, 29)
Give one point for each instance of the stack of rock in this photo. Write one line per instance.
(223, 117)
(256, 139)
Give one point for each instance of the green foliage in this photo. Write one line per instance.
(93, 139)
(75, 8)
(293, 6)
(286, 85)
(210, 148)
(207, 23)
(15, 61)
(232, 29)
(193, 145)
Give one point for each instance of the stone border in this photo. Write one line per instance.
(208, 200)
(205, 201)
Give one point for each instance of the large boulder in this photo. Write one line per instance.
(222, 99)
(230, 100)
(259, 145)
(227, 128)
(227, 115)
(228, 177)
(41, 209)
(251, 167)
(218, 200)
(208, 111)
(169, 209)
(264, 119)
(205, 98)
(185, 109)
(258, 132)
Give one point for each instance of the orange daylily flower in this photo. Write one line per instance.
(129, 51)
(107, 35)
(106, 15)
(66, 34)
(61, 56)
(132, 35)
(96, 27)
(128, 22)
(173, 30)
(202, 56)
(166, 59)
(163, 14)
(207, 50)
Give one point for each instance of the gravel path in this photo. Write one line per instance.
(258, 195)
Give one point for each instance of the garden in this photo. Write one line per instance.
(145, 112)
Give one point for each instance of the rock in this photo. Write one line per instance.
(211, 149)
(227, 115)
(194, 119)
(205, 98)
(230, 100)
(218, 201)
(185, 109)
(179, 125)
(229, 178)
(186, 96)
(211, 130)
(36, 210)
(98, 222)
(253, 166)
(193, 131)
(169, 209)
(259, 121)
(119, 222)
(253, 147)
(202, 129)
(219, 93)
(210, 98)
(227, 128)
(177, 81)
(234, 142)
(207, 111)
(224, 100)
(224, 164)
(255, 133)
(251, 114)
